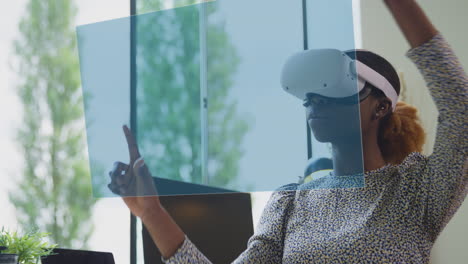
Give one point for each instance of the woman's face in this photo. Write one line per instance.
(342, 123)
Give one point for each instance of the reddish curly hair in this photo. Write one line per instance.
(400, 132)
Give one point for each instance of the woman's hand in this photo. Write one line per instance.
(134, 181)
(136, 186)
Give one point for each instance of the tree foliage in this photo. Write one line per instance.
(168, 70)
(54, 192)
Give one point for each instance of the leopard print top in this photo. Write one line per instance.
(396, 217)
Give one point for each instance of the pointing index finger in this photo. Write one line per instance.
(132, 145)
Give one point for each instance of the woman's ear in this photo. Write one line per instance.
(383, 108)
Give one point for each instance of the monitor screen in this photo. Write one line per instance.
(218, 224)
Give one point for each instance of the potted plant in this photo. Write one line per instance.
(24, 249)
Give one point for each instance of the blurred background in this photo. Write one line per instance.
(44, 174)
(380, 34)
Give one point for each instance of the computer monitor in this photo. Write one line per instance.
(218, 224)
(70, 256)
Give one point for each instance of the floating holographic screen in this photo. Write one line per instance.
(210, 110)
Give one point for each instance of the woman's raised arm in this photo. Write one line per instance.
(412, 21)
(135, 183)
(444, 179)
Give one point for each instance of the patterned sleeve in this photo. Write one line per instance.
(187, 253)
(265, 246)
(445, 179)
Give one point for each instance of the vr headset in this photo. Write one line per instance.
(332, 74)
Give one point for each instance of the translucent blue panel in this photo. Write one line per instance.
(211, 113)
(168, 92)
(105, 75)
(330, 25)
(257, 137)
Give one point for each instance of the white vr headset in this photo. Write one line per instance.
(330, 73)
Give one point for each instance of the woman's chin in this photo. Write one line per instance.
(322, 132)
(326, 131)
(322, 136)
(323, 140)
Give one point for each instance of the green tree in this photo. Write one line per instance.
(54, 192)
(168, 70)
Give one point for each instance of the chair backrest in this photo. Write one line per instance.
(218, 224)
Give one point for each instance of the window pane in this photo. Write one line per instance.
(220, 57)
(256, 131)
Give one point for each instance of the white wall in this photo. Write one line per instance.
(380, 34)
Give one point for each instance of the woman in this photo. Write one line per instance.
(395, 218)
